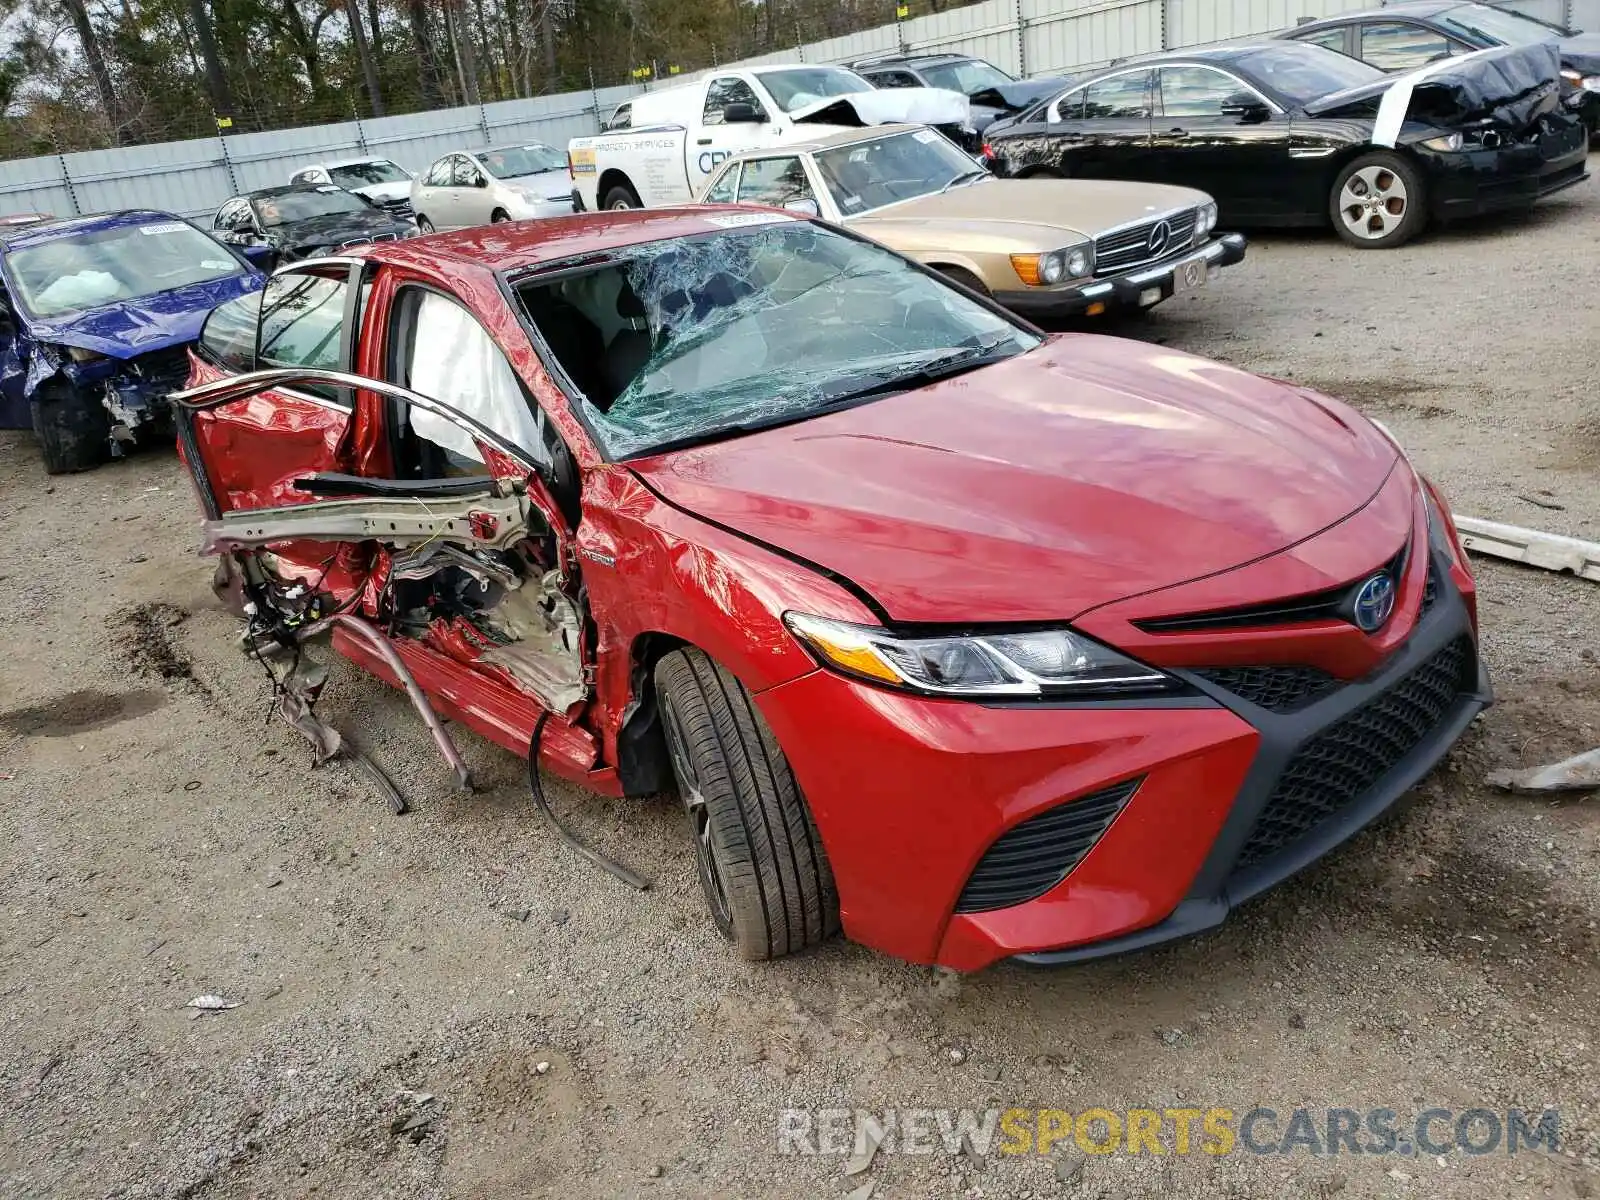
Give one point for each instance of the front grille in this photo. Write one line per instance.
(169, 366)
(1341, 764)
(1278, 689)
(1031, 858)
(362, 241)
(1332, 605)
(400, 208)
(1128, 248)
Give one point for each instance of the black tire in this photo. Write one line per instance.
(73, 429)
(1401, 224)
(499, 216)
(965, 278)
(425, 225)
(761, 862)
(621, 197)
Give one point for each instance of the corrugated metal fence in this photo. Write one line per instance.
(1026, 37)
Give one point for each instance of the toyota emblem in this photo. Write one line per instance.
(1160, 235)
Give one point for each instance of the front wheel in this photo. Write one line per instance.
(72, 427)
(499, 216)
(762, 867)
(1379, 201)
(423, 224)
(621, 198)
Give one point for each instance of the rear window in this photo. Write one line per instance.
(1303, 73)
(228, 338)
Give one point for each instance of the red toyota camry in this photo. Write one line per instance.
(975, 642)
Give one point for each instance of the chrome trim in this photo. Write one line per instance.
(1312, 152)
(1212, 250)
(330, 260)
(1150, 220)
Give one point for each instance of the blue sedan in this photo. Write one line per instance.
(96, 316)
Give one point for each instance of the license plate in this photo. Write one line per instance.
(1189, 276)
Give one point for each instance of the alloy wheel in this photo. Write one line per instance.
(1373, 202)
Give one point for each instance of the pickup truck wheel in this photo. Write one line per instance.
(621, 197)
(499, 216)
(965, 278)
(761, 863)
(72, 427)
(1378, 201)
(425, 225)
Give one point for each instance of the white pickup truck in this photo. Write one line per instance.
(661, 147)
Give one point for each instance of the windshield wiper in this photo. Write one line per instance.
(964, 177)
(978, 353)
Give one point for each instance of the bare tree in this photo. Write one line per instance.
(369, 65)
(216, 78)
(97, 63)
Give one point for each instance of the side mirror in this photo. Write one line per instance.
(803, 204)
(1249, 109)
(741, 114)
(480, 182)
(260, 254)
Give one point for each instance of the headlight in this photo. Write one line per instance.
(1049, 662)
(1080, 262)
(1448, 143)
(1052, 267)
(1205, 222)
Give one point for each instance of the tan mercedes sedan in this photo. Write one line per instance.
(1044, 248)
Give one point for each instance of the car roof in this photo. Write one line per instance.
(914, 60)
(1406, 8)
(48, 231)
(519, 245)
(844, 137)
(346, 162)
(287, 189)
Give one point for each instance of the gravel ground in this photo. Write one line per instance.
(162, 840)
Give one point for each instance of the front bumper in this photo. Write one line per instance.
(538, 210)
(1478, 182)
(1141, 288)
(1213, 820)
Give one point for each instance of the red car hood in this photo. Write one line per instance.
(1087, 471)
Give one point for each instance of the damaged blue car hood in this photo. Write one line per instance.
(129, 328)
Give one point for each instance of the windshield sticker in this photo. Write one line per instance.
(859, 155)
(164, 227)
(926, 135)
(213, 264)
(738, 220)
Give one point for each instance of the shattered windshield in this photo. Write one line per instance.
(769, 322)
(522, 160)
(360, 175)
(111, 266)
(800, 86)
(867, 175)
(971, 76)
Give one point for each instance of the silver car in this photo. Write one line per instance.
(479, 187)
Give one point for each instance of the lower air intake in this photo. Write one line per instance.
(1028, 860)
(1347, 759)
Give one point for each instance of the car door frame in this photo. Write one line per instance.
(1101, 147)
(712, 146)
(474, 204)
(1225, 172)
(1455, 45)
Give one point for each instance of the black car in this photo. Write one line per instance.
(1405, 36)
(992, 92)
(1283, 133)
(306, 220)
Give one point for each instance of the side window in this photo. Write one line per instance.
(726, 91)
(1196, 91)
(622, 118)
(1069, 107)
(302, 317)
(228, 338)
(894, 79)
(774, 181)
(1337, 38)
(1397, 46)
(439, 174)
(725, 188)
(1121, 97)
(440, 350)
(466, 173)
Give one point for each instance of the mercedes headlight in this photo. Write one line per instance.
(1052, 267)
(1050, 662)
(1205, 222)
(1080, 262)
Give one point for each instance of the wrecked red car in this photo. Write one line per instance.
(975, 642)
